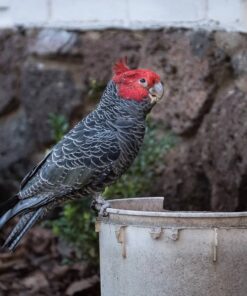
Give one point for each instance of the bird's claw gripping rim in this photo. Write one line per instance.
(99, 205)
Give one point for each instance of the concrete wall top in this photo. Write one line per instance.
(229, 15)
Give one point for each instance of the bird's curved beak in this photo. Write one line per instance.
(156, 92)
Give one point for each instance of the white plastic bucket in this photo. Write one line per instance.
(146, 251)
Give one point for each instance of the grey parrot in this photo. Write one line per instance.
(93, 155)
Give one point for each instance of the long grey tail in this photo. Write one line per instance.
(22, 207)
(24, 224)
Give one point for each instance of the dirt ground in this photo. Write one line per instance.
(37, 268)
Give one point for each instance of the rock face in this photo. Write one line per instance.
(44, 91)
(51, 71)
(208, 170)
(51, 42)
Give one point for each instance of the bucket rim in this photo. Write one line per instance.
(168, 214)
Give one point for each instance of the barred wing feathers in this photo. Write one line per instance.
(82, 154)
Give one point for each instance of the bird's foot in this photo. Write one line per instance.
(100, 205)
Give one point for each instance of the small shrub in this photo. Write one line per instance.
(95, 89)
(76, 226)
(59, 126)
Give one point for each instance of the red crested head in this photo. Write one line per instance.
(136, 84)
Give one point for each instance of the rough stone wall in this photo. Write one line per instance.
(205, 75)
(208, 169)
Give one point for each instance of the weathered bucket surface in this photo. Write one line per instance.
(147, 251)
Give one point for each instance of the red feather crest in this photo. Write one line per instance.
(121, 66)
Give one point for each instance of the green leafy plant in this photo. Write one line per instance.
(96, 88)
(59, 125)
(76, 226)
(76, 221)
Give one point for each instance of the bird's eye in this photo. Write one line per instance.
(143, 82)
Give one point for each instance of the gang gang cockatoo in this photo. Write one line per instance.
(93, 155)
